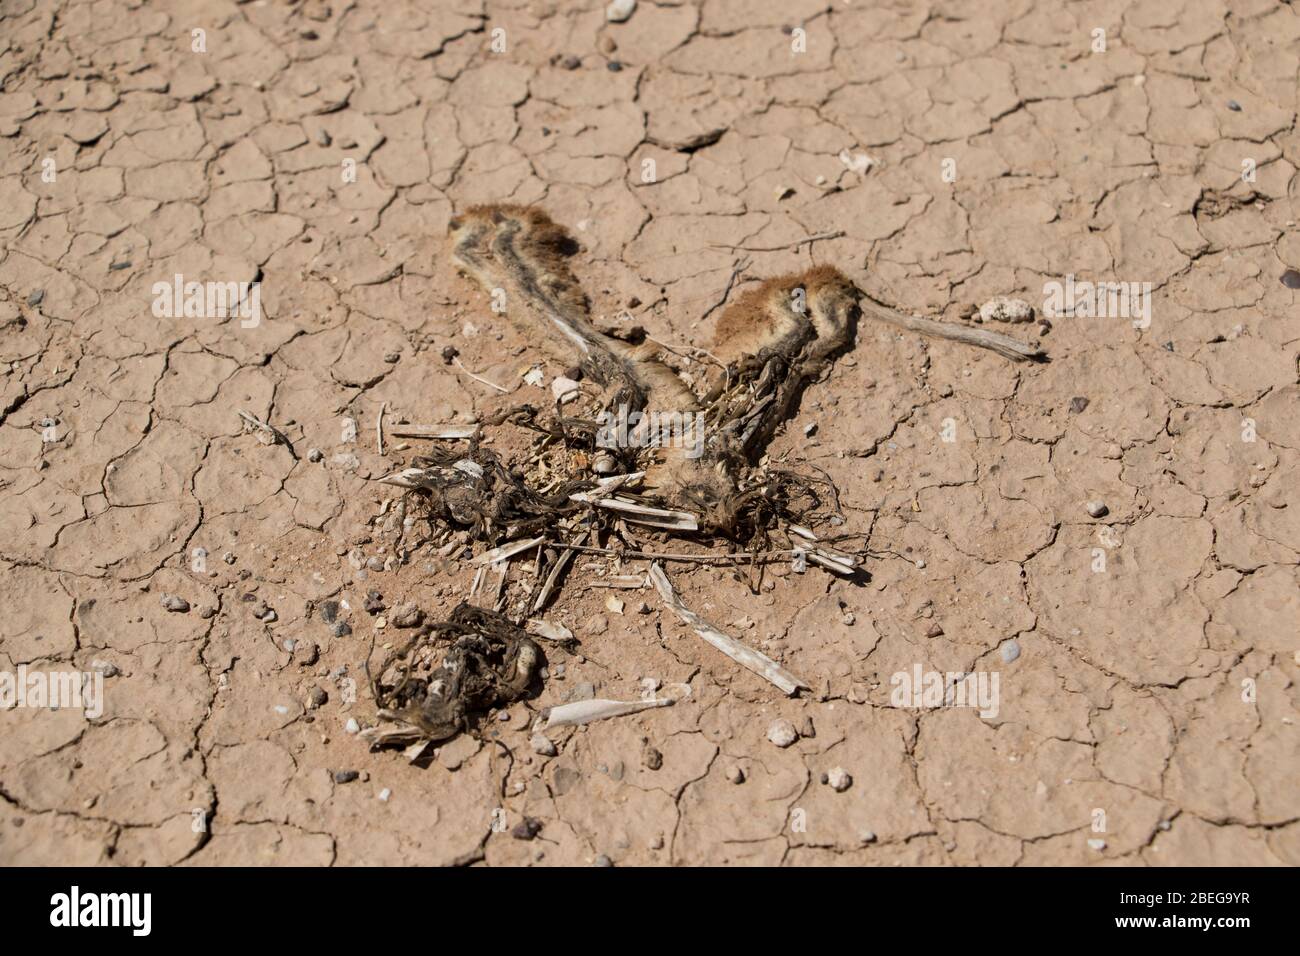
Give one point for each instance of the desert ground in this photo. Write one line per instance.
(1114, 533)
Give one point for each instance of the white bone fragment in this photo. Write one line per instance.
(506, 551)
(747, 657)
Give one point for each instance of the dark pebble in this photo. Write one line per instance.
(1078, 404)
(1234, 106)
(345, 776)
(528, 829)
(329, 611)
(341, 629)
(1291, 279)
(36, 298)
(614, 66)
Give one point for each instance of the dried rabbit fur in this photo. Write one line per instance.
(769, 346)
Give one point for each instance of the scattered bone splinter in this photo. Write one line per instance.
(760, 664)
(585, 711)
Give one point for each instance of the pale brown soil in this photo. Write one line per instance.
(1131, 694)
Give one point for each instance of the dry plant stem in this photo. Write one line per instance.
(627, 581)
(478, 378)
(747, 657)
(789, 245)
(434, 431)
(560, 564)
(498, 592)
(275, 433)
(379, 427)
(507, 551)
(640, 514)
(688, 558)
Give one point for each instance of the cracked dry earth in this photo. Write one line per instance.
(1160, 691)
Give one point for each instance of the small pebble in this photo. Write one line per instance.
(1004, 309)
(527, 830)
(1291, 279)
(385, 794)
(1078, 404)
(175, 604)
(1097, 509)
(541, 744)
(317, 697)
(735, 775)
(1234, 106)
(352, 726)
(564, 389)
(867, 836)
(315, 454)
(603, 860)
(405, 615)
(782, 733)
(341, 629)
(1010, 651)
(345, 776)
(934, 630)
(1098, 845)
(652, 758)
(839, 780)
(36, 298)
(620, 10)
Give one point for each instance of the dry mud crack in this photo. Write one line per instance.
(942, 154)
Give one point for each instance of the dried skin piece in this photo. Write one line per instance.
(489, 662)
(774, 341)
(521, 252)
(471, 488)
